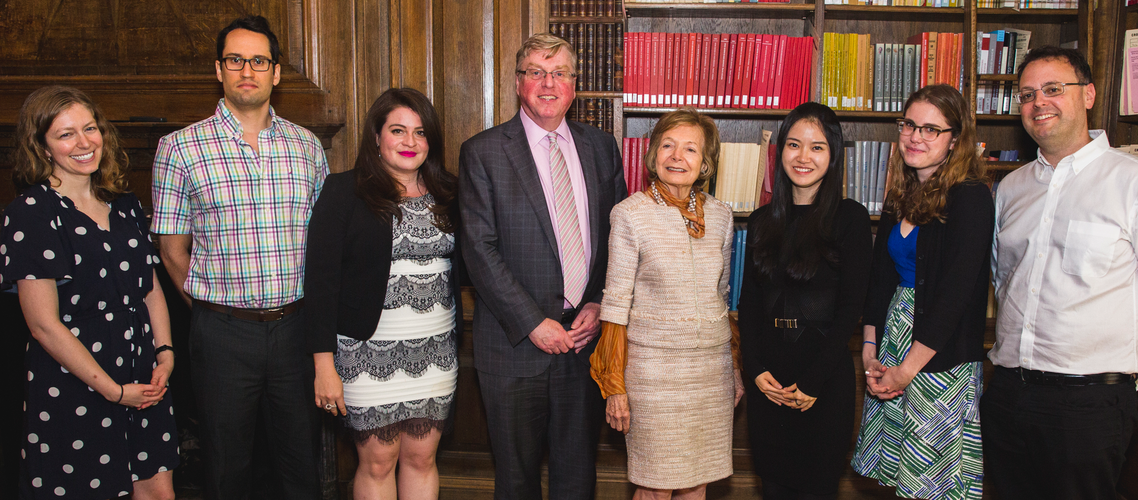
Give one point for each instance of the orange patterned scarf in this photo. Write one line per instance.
(691, 207)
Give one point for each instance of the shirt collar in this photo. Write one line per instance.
(535, 135)
(1081, 158)
(231, 123)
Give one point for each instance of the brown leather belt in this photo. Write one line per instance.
(262, 315)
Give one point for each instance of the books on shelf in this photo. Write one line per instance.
(585, 8)
(866, 173)
(1027, 4)
(860, 76)
(600, 54)
(738, 250)
(712, 1)
(704, 70)
(1003, 155)
(1128, 90)
(899, 3)
(742, 168)
(594, 112)
(999, 52)
(635, 175)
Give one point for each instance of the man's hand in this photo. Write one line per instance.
(550, 337)
(585, 326)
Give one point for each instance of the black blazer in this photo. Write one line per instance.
(509, 246)
(951, 288)
(347, 264)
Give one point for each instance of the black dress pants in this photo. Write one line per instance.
(1043, 442)
(242, 370)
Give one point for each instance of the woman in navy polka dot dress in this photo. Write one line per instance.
(75, 243)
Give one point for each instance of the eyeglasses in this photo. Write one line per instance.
(1049, 90)
(928, 132)
(258, 63)
(539, 74)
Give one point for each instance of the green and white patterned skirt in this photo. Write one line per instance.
(926, 442)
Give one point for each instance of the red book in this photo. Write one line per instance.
(756, 68)
(771, 72)
(669, 63)
(767, 186)
(677, 70)
(712, 70)
(942, 43)
(765, 71)
(631, 41)
(702, 69)
(693, 49)
(729, 75)
(654, 65)
(779, 73)
(743, 78)
(921, 40)
(721, 74)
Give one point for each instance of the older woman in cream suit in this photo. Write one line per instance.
(665, 362)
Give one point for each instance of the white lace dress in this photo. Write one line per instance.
(403, 378)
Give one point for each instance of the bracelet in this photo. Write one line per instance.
(122, 390)
(870, 342)
(163, 348)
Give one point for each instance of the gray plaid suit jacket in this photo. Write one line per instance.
(509, 246)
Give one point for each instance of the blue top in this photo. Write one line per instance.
(903, 250)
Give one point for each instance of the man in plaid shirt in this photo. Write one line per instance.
(232, 198)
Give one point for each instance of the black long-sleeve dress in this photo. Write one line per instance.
(805, 450)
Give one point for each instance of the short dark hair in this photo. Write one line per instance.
(256, 24)
(1071, 56)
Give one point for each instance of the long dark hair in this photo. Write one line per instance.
(38, 113)
(374, 184)
(800, 252)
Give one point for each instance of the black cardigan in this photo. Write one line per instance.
(951, 287)
(347, 264)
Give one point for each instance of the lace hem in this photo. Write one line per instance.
(420, 291)
(386, 422)
(382, 359)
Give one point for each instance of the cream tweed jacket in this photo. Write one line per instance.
(668, 288)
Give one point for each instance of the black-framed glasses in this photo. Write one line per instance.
(1050, 90)
(258, 63)
(928, 132)
(539, 74)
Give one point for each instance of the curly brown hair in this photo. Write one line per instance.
(920, 203)
(36, 117)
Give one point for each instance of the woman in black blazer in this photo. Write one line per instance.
(924, 314)
(382, 297)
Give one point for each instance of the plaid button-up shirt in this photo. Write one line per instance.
(247, 211)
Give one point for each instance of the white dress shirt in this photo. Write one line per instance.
(1065, 264)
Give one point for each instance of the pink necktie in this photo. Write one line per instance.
(572, 250)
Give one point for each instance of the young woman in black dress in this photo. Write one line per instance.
(808, 261)
(76, 244)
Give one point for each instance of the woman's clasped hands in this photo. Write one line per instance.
(783, 396)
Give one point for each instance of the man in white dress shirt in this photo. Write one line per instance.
(1058, 415)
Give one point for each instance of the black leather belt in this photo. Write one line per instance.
(262, 315)
(1063, 379)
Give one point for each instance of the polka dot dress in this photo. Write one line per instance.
(78, 444)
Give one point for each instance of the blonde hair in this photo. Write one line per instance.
(550, 44)
(678, 118)
(37, 114)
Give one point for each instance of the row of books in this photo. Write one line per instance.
(859, 76)
(898, 3)
(745, 70)
(635, 175)
(1128, 90)
(999, 53)
(866, 163)
(1003, 155)
(594, 112)
(599, 54)
(1027, 4)
(742, 173)
(738, 252)
(586, 8)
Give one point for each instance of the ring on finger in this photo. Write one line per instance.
(329, 407)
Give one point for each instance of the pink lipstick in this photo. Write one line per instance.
(408, 154)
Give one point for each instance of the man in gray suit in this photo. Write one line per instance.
(535, 195)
